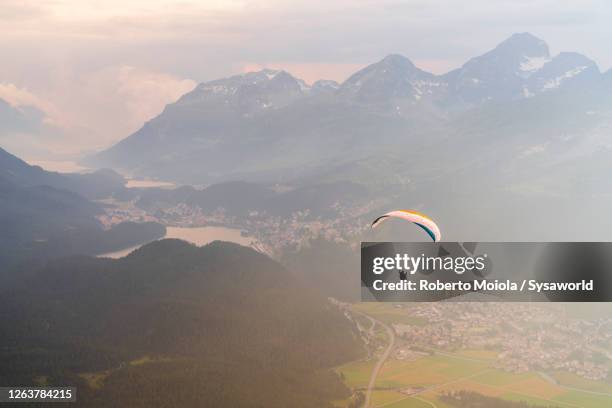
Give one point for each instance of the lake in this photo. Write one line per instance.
(197, 235)
(136, 183)
(59, 166)
(74, 167)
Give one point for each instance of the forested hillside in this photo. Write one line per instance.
(173, 325)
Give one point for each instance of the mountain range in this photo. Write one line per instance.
(44, 215)
(97, 184)
(270, 126)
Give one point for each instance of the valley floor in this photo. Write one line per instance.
(401, 376)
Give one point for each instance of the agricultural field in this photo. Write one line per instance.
(441, 373)
(573, 381)
(423, 366)
(356, 375)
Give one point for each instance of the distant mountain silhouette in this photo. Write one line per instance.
(44, 215)
(98, 184)
(270, 126)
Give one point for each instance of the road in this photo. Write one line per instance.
(552, 381)
(383, 358)
(381, 361)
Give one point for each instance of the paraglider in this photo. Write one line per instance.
(423, 221)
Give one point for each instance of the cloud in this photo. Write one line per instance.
(100, 69)
(117, 100)
(146, 93)
(29, 123)
(94, 109)
(12, 10)
(21, 97)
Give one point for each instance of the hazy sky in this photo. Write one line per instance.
(99, 69)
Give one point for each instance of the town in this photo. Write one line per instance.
(525, 337)
(274, 234)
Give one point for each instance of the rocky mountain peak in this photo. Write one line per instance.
(523, 45)
(392, 77)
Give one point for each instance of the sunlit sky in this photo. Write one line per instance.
(99, 69)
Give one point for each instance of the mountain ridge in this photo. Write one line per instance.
(203, 319)
(271, 126)
(44, 215)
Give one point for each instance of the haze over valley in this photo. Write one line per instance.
(210, 258)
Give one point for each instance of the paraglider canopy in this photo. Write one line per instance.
(423, 221)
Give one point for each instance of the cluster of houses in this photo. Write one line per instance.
(272, 232)
(524, 336)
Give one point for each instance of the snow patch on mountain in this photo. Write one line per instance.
(531, 64)
(304, 87)
(270, 74)
(556, 82)
(218, 89)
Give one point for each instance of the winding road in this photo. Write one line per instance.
(385, 356)
(381, 361)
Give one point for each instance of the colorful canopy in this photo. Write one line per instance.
(423, 221)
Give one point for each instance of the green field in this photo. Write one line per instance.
(384, 397)
(533, 400)
(585, 400)
(440, 373)
(574, 381)
(478, 354)
(409, 402)
(356, 375)
(501, 378)
(470, 370)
